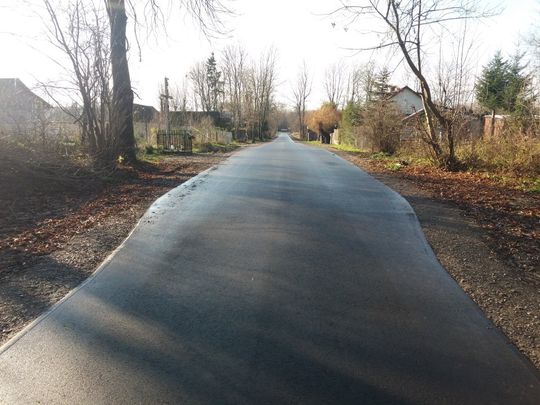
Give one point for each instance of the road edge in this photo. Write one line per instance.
(13, 340)
(427, 245)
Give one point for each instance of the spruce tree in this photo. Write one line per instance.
(502, 86)
(491, 88)
(381, 84)
(213, 77)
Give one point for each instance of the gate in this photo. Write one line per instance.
(177, 140)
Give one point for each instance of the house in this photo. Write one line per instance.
(21, 111)
(466, 125)
(407, 100)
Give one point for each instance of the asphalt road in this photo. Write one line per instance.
(286, 275)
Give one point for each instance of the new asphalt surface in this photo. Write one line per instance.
(284, 276)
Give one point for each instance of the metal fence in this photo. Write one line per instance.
(177, 140)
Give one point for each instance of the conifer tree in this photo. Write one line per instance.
(213, 77)
(501, 85)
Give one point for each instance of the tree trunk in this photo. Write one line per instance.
(453, 163)
(427, 100)
(492, 129)
(431, 128)
(122, 99)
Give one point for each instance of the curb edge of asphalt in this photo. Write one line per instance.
(13, 340)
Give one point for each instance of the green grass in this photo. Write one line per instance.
(381, 156)
(153, 158)
(348, 148)
(150, 155)
(394, 166)
(532, 186)
(215, 147)
(529, 184)
(344, 148)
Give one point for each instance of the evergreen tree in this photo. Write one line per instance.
(503, 87)
(518, 97)
(381, 84)
(492, 87)
(350, 120)
(213, 76)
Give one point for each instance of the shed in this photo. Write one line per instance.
(21, 110)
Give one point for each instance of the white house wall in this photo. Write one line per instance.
(407, 101)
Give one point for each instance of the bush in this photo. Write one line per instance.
(376, 126)
(510, 152)
(326, 117)
(349, 125)
(382, 121)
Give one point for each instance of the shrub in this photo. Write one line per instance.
(511, 152)
(326, 117)
(383, 123)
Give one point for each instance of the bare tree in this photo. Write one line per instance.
(199, 80)
(234, 70)
(208, 15)
(83, 39)
(454, 88)
(122, 98)
(406, 22)
(261, 85)
(180, 96)
(382, 123)
(334, 81)
(301, 91)
(360, 83)
(532, 41)
(455, 74)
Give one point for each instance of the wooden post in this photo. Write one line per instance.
(165, 110)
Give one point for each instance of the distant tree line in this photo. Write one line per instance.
(236, 84)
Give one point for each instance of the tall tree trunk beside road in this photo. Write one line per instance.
(207, 13)
(122, 99)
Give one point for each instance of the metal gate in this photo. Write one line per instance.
(177, 140)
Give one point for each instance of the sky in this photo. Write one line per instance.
(300, 30)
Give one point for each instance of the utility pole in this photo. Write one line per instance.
(165, 97)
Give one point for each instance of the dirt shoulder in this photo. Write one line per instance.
(56, 233)
(485, 235)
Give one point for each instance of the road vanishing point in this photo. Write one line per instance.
(285, 275)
